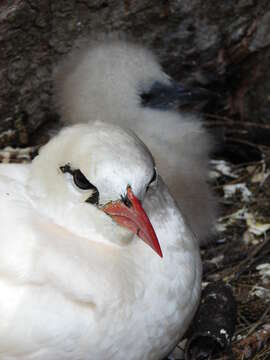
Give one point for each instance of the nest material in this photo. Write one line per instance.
(240, 254)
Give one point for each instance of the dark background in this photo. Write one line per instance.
(221, 45)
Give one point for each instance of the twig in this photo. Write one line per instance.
(246, 264)
(259, 322)
(251, 345)
(228, 122)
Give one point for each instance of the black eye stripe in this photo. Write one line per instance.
(94, 198)
(82, 182)
(154, 177)
(66, 169)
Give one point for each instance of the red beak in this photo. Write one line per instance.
(130, 214)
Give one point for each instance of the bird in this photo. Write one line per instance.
(96, 259)
(123, 83)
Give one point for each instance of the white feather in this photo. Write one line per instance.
(75, 285)
(103, 81)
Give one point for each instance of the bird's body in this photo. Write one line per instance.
(123, 83)
(74, 284)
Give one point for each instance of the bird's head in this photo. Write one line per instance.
(105, 79)
(91, 179)
(113, 81)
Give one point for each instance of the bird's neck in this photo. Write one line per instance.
(171, 228)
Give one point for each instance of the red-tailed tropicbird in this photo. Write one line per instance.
(123, 83)
(76, 282)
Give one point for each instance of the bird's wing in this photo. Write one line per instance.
(17, 172)
(36, 251)
(47, 276)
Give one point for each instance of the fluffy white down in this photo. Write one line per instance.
(76, 286)
(103, 81)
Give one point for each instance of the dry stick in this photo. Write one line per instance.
(243, 177)
(247, 323)
(259, 322)
(225, 121)
(248, 347)
(256, 164)
(243, 142)
(239, 128)
(246, 164)
(246, 264)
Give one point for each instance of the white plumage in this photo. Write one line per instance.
(74, 284)
(106, 81)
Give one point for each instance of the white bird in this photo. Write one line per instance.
(76, 280)
(123, 83)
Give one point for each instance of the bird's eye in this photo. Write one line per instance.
(153, 179)
(81, 181)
